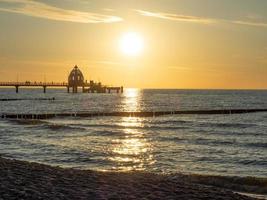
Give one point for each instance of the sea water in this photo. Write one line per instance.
(233, 145)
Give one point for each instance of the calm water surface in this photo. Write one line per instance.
(203, 144)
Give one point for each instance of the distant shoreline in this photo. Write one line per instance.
(27, 180)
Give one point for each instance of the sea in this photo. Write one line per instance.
(229, 145)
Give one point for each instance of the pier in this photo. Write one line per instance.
(33, 84)
(86, 88)
(75, 81)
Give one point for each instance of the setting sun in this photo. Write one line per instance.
(131, 44)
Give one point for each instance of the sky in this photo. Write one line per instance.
(189, 44)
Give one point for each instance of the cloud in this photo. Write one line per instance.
(176, 17)
(42, 10)
(109, 9)
(202, 20)
(249, 23)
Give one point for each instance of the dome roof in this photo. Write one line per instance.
(76, 77)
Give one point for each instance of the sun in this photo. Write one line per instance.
(131, 44)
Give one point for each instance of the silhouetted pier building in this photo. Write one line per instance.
(75, 81)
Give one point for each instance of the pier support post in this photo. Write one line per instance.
(121, 89)
(68, 89)
(17, 89)
(44, 89)
(74, 89)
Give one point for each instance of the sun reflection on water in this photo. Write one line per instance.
(131, 99)
(133, 150)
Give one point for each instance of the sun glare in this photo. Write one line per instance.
(131, 44)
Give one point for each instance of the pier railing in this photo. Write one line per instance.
(34, 84)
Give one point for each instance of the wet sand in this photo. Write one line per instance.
(24, 180)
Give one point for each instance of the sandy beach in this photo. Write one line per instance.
(24, 180)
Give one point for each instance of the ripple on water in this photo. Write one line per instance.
(206, 144)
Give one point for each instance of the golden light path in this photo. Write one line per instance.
(130, 150)
(133, 150)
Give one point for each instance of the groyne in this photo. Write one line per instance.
(129, 114)
(28, 99)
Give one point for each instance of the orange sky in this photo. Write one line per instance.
(187, 44)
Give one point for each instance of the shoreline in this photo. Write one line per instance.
(27, 180)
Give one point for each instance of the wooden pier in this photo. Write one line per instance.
(75, 80)
(32, 84)
(86, 87)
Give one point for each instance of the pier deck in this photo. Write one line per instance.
(86, 88)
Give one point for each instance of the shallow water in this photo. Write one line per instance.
(202, 144)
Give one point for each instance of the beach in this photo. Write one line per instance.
(25, 180)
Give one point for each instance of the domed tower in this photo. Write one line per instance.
(76, 79)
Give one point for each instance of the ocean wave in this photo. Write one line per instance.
(171, 139)
(165, 127)
(206, 141)
(253, 162)
(259, 144)
(109, 133)
(26, 121)
(102, 126)
(61, 127)
(228, 125)
(171, 122)
(148, 126)
(224, 132)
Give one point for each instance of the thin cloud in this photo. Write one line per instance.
(109, 9)
(248, 23)
(42, 10)
(201, 20)
(176, 17)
